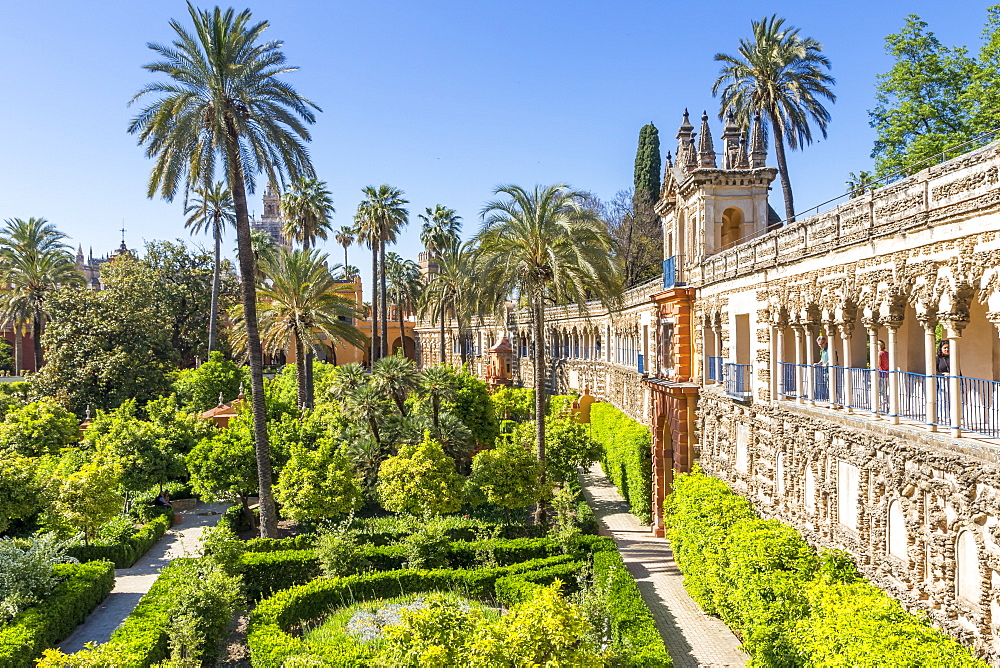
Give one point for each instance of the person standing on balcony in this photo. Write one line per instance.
(883, 375)
(943, 358)
(822, 380)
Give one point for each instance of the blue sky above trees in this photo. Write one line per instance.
(442, 99)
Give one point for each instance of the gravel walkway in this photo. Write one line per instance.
(692, 637)
(183, 540)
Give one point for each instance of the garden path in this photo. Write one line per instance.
(131, 584)
(692, 637)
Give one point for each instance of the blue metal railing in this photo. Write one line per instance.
(737, 379)
(672, 272)
(980, 405)
(789, 386)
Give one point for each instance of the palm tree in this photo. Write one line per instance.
(397, 376)
(306, 208)
(346, 379)
(544, 244)
(380, 217)
(224, 104)
(298, 303)
(33, 261)
(860, 183)
(438, 383)
(345, 237)
(452, 287)
(440, 229)
(211, 211)
(405, 288)
(779, 75)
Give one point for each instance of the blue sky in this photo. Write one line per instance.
(442, 99)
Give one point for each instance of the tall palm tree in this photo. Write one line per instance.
(345, 237)
(544, 244)
(33, 261)
(397, 376)
(298, 302)
(306, 208)
(405, 288)
(453, 288)
(380, 217)
(210, 212)
(440, 229)
(223, 104)
(780, 75)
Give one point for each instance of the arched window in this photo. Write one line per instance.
(732, 226)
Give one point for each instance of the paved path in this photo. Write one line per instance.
(692, 637)
(183, 540)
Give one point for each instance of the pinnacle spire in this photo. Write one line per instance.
(706, 149)
(758, 145)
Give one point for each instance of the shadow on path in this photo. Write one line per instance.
(692, 637)
(184, 539)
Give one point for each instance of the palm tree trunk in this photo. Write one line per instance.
(786, 186)
(374, 318)
(385, 308)
(442, 332)
(539, 363)
(262, 448)
(18, 350)
(301, 379)
(345, 261)
(215, 293)
(36, 338)
(402, 341)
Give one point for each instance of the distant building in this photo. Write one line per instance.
(271, 221)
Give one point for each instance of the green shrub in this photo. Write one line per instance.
(791, 606)
(27, 572)
(142, 639)
(634, 635)
(126, 553)
(627, 459)
(81, 589)
(339, 554)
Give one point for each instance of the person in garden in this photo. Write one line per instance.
(163, 500)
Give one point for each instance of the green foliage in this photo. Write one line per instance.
(568, 446)
(647, 165)
(123, 553)
(80, 589)
(89, 497)
(199, 389)
(222, 547)
(627, 459)
(20, 494)
(790, 606)
(427, 547)
(508, 475)
(6, 355)
(225, 464)
(420, 479)
(434, 634)
(474, 408)
(203, 602)
(39, 428)
(317, 485)
(514, 403)
(26, 571)
(634, 636)
(921, 103)
(339, 553)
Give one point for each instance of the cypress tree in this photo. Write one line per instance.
(647, 166)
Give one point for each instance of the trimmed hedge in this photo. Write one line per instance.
(124, 555)
(513, 589)
(267, 572)
(41, 626)
(271, 644)
(634, 635)
(790, 605)
(627, 457)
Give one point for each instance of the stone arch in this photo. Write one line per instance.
(896, 537)
(732, 226)
(968, 576)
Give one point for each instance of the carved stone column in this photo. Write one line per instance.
(799, 382)
(872, 328)
(778, 355)
(810, 370)
(845, 329)
(953, 332)
(893, 328)
(929, 323)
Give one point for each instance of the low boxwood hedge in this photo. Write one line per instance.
(634, 635)
(82, 589)
(267, 572)
(268, 637)
(790, 605)
(124, 555)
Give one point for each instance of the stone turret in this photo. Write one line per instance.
(706, 149)
(732, 140)
(686, 155)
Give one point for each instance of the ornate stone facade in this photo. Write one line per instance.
(800, 363)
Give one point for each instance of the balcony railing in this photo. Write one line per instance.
(737, 380)
(715, 369)
(673, 268)
(919, 397)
